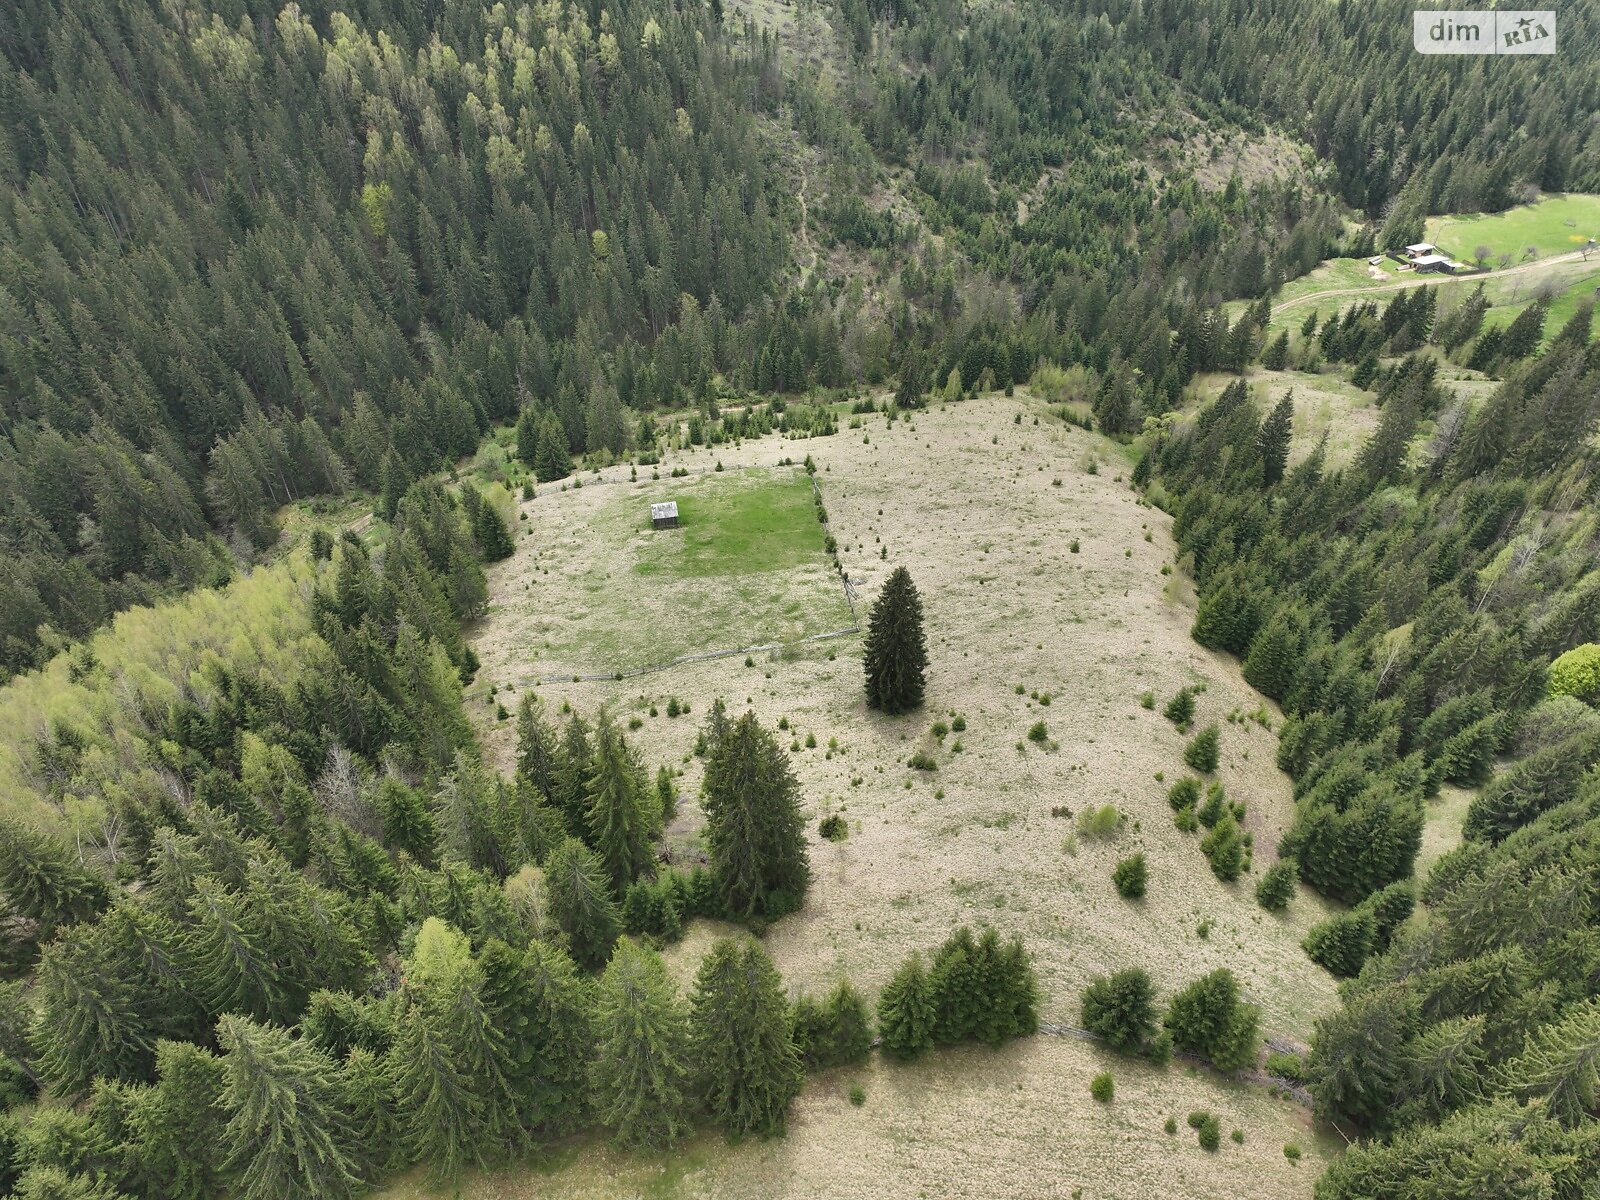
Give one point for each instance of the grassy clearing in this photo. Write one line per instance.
(592, 588)
(734, 523)
(1447, 813)
(1553, 225)
(985, 511)
(960, 1123)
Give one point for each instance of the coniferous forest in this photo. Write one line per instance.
(271, 274)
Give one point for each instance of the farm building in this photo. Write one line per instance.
(664, 515)
(1421, 248)
(1434, 262)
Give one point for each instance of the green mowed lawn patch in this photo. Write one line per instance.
(595, 589)
(734, 523)
(1554, 225)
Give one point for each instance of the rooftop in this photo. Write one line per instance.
(667, 508)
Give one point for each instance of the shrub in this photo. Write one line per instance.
(1171, 1126)
(1147, 700)
(1184, 794)
(1121, 1009)
(1099, 823)
(958, 724)
(1210, 1133)
(1130, 877)
(1286, 1066)
(834, 1032)
(1224, 847)
(858, 1095)
(1201, 752)
(1276, 888)
(1216, 803)
(1180, 709)
(1185, 820)
(1291, 1151)
(1103, 1087)
(922, 762)
(653, 908)
(834, 827)
(1038, 733)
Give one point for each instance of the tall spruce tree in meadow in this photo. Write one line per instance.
(623, 814)
(896, 650)
(754, 828)
(1273, 440)
(743, 1046)
(906, 1012)
(581, 903)
(640, 1075)
(287, 1134)
(1276, 356)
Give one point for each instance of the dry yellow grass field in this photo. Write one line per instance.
(984, 511)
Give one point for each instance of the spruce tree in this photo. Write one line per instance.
(1342, 942)
(755, 830)
(743, 1047)
(437, 1101)
(640, 1075)
(581, 904)
(538, 748)
(896, 649)
(1275, 653)
(1276, 888)
(489, 531)
(1201, 752)
(906, 1012)
(173, 1132)
(559, 1006)
(553, 458)
(287, 1134)
(835, 1032)
(1121, 1009)
(1276, 355)
(41, 879)
(624, 815)
(1209, 1019)
(572, 770)
(1273, 440)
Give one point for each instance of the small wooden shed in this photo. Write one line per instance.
(664, 515)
